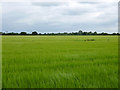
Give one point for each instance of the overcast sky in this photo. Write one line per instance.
(60, 15)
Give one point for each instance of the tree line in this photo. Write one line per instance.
(65, 33)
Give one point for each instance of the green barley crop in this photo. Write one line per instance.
(60, 61)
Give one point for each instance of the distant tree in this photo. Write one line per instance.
(76, 33)
(90, 33)
(58, 33)
(84, 33)
(114, 34)
(80, 32)
(65, 33)
(95, 33)
(1, 33)
(34, 33)
(45, 34)
(53, 34)
(23, 33)
(12, 33)
(104, 33)
(40, 34)
(118, 33)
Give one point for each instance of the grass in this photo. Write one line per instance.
(60, 62)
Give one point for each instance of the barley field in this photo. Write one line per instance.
(60, 61)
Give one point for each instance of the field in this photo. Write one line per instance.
(60, 61)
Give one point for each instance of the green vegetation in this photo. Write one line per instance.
(65, 33)
(60, 61)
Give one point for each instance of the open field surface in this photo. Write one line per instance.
(60, 61)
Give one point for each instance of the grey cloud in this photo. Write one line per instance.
(47, 4)
(74, 12)
(89, 2)
(61, 16)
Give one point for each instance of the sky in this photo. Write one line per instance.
(46, 16)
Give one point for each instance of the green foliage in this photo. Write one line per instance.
(34, 33)
(22, 33)
(65, 33)
(60, 62)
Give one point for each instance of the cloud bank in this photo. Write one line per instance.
(60, 16)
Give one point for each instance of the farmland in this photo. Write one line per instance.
(60, 61)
